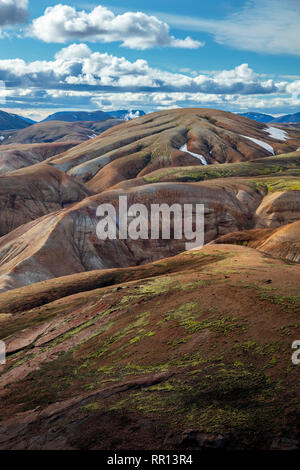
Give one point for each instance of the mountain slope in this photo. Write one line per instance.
(230, 205)
(12, 121)
(126, 114)
(15, 156)
(58, 131)
(82, 369)
(26, 254)
(73, 116)
(260, 117)
(281, 242)
(173, 138)
(29, 193)
(289, 118)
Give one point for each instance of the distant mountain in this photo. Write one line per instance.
(10, 121)
(288, 118)
(72, 116)
(126, 114)
(260, 117)
(58, 131)
(31, 121)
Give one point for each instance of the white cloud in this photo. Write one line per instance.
(265, 26)
(13, 12)
(135, 30)
(78, 77)
(76, 65)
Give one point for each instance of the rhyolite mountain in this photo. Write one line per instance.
(38, 142)
(80, 316)
(59, 131)
(174, 138)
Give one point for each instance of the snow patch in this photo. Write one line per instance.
(2, 138)
(131, 115)
(92, 136)
(197, 155)
(261, 143)
(277, 134)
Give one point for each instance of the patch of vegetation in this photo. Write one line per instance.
(188, 315)
(282, 165)
(224, 399)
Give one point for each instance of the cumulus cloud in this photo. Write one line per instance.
(266, 26)
(13, 12)
(79, 77)
(77, 66)
(135, 30)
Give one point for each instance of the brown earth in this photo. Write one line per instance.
(82, 372)
(34, 252)
(282, 242)
(31, 192)
(58, 131)
(15, 156)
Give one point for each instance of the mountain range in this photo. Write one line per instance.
(9, 121)
(138, 343)
(260, 117)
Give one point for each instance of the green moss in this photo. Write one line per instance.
(92, 407)
(283, 165)
(224, 399)
(267, 349)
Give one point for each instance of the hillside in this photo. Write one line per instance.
(292, 118)
(12, 121)
(140, 339)
(82, 368)
(260, 117)
(29, 193)
(73, 116)
(58, 131)
(15, 156)
(175, 138)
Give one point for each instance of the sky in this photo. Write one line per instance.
(236, 55)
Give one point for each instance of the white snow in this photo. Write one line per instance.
(197, 155)
(92, 136)
(2, 137)
(261, 143)
(277, 134)
(131, 115)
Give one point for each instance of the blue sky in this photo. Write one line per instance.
(234, 55)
